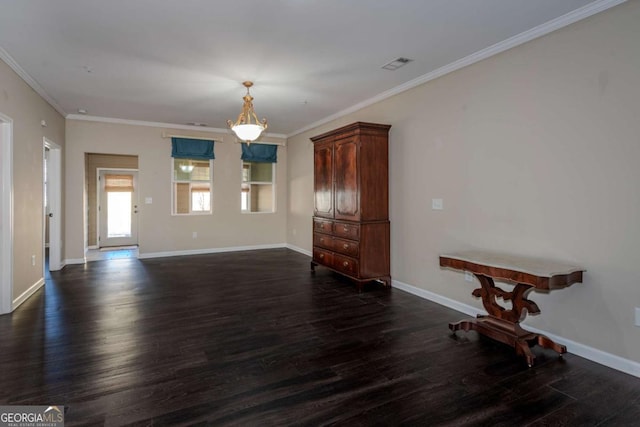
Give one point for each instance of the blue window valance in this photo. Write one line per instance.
(265, 153)
(186, 148)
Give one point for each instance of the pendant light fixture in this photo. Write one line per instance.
(248, 128)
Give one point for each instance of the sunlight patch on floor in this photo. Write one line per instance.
(119, 252)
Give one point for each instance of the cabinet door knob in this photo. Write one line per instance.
(346, 246)
(321, 256)
(346, 228)
(346, 263)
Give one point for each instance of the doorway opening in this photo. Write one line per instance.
(94, 163)
(52, 206)
(117, 208)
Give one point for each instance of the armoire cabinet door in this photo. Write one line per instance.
(323, 179)
(347, 196)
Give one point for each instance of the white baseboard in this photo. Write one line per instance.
(191, 252)
(607, 359)
(209, 251)
(297, 249)
(26, 294)
(58, 268)
(447, 302)
(62, 265)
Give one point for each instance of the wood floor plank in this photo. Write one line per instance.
(253, 338)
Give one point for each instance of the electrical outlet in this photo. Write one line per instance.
(468, 276)
(194, 235)
(637, 316)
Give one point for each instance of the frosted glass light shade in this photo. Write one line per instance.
(247, 132)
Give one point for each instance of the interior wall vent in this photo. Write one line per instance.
(396, 63)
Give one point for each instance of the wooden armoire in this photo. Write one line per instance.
(351, 202)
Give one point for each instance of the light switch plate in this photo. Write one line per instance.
(437, 204)
(148, 200)
(637, 316)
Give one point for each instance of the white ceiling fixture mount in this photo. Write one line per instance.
(248, 128)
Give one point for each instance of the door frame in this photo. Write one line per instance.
(54, 184)
(99, 202)
(6, 213)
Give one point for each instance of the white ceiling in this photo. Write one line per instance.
(183, 61)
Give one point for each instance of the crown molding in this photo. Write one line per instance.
(539, 31)
(117, 121)
(101, 119)
(8, 59)
(517, 40)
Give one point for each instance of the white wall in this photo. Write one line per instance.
(159, 231)
(27, 109)
(534, 151)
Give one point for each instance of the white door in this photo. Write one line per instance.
(53, 205)
(118, 206)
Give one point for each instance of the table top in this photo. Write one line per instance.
(541, 273)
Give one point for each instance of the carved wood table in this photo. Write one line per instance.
(527, 274)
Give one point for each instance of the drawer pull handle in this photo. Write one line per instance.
(346, 228)
(346, 246)
(321, 256)
(346, 263)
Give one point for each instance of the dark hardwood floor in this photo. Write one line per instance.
(253, 339)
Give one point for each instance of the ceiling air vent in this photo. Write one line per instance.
(396, 63)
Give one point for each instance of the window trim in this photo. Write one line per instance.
(174, 195)
(273, 189)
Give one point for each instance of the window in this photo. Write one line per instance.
(119, 191)
(191, 186)
(258, 193)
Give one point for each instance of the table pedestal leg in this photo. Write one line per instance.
(504, 325)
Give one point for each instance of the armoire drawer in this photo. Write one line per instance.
(346, 247)
(323, 257)
(346, 230)
(345, 265)
(323, 240)
(322, 225)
